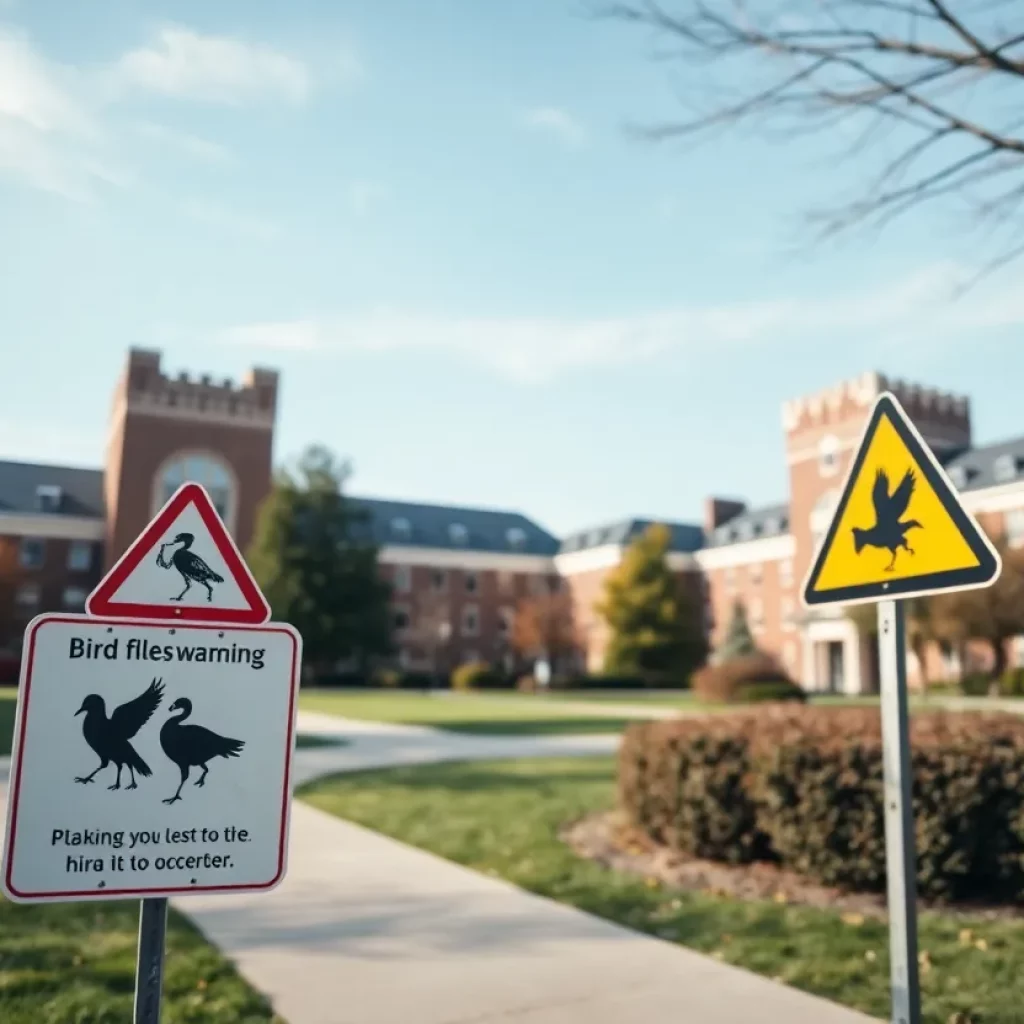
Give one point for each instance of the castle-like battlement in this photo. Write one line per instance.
(942, 410)
(146, 388)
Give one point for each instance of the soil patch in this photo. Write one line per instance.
(606, 837)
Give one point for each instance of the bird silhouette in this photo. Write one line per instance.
(889, 532)
(191, 746)
(192, 568)
(109, 736)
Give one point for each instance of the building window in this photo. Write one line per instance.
(403, 579)
(48, 498)
(1005, 469)
(470, 620)
(33, 552)
(209, 471)
(471, 657)
(1014, 521)
(516, 537)
(788, 613)
(828, 456)
(459, 534)
(756, 572)
(506, 618)
(80, 556)
(506, 582)
(74, 597)
(756, 609)
(26, 597)
(401, 527)
(400, 618)
(472, 583)
(786, 572)
(537, 585)
(958, 477)
(730, 580)
(438, 579)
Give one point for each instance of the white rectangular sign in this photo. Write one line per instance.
(150, 759)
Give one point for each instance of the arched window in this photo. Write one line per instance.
(208, 470)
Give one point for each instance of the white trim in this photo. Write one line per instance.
(442, 558)
(246, 415)
(589, 560)
(50, 527)
(764, 549)
(1000, 498)
(679, 560)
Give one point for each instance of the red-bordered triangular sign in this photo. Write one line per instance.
(184, 566)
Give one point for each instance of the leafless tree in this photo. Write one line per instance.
(936, 85)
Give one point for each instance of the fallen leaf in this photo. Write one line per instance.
(853, 920)
(871, 956)
(966, 937)
(780, 897)
(981, 944)
(924, 961)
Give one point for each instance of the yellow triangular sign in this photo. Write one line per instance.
(899, 529)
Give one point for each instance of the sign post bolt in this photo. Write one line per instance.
(149, 969)
(901, 861)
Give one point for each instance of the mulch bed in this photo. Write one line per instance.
(609, 840)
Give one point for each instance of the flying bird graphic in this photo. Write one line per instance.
(890, 530)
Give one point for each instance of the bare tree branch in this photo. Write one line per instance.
(934, 73)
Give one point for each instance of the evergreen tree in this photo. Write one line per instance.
(312, 557)
(739, 641)
(655, 630)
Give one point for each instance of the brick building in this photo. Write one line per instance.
(458, 573)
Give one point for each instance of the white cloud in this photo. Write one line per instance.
(208, 212)
(193, 146)
(363, 196)
(219, 69)
(49, 137)
(535, 349)
(557, 122)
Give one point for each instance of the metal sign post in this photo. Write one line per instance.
(149, 966)
(901, 861)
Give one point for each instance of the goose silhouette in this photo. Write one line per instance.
(192, 746)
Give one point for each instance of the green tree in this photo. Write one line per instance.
(738, 641)
(317, 566)
(655, 630)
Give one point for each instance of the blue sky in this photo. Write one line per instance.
(430, 218)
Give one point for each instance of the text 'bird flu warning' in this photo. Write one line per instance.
(899, 528)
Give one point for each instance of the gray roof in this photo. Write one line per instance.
(976, 468)
(752, 524)
(81, 489)
(685, 536)
(459, 529)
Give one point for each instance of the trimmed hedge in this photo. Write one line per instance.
(602, 682)
(728, 681)
(478, 675)
(802, 786)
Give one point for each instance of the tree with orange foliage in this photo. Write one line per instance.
(544, 627)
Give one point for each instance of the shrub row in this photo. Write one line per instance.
(1009, 684)
(748, 678)
(803, 787)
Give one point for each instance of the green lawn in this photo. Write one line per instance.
(503, 818)
(74, 963)
(496, 715)
(8, 702)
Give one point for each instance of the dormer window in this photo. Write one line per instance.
(746, 531)
(516, 537)
(771, 526)
(48, 498)
(458, 534)
(958, 476)
(401, 527)
(1005, 469)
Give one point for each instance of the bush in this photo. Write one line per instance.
(803, 786)
(724, 682)
(478, 675)
(770, 690)
(976, 684)
(1012, 683)
(342, 679)
(395, 679)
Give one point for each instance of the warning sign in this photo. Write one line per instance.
(899, 529)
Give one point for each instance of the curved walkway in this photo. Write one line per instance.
(366, 930)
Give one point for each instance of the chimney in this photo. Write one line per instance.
(718, 511)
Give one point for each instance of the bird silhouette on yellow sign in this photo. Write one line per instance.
(899, 528)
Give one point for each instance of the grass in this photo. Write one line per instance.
(470, 714)
(74, 963)
(502, 818)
